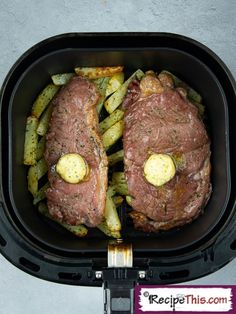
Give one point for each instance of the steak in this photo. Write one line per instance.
(74, 129)
(160, 119)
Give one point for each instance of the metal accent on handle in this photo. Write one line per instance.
(120, 254)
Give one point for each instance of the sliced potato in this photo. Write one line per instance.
(41, 168)
(100, 104)
(102, 86)
(111, 136)
(96, 72)
(159, 169)
(31, 141)
(114, 83)
(111, 224)
(61, 78)
(43, 99)
(99, 81)
(40, 195)
(110, 233)
(120, 188)
(116, 157)
(119, 183)
(118, 200)
(115, 100)
(41, 148)
(116, 116)
(193, 95)
(35, 173)
(44, 121)
(43, 209)
(201, 108)
(128, 199)
(72, 168)
(33, 180)
(118, 177)
(111, 191)
(111, 216)
(79, 230)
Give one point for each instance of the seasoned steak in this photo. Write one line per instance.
(74, 129)
(160, 119)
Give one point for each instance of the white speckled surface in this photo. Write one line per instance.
(24, 23)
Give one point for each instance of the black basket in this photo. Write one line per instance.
(44, 249)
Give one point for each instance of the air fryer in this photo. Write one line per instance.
(43, 248)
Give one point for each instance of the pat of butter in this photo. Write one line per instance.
(72, 168)
(159, 169)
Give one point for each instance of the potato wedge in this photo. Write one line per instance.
(111, 191)
(33, 180)
(128, 199)
(40, 195)
(100, 104)
(111, 136)
(96, 72)
(104, 228)
(102, 86)
(61, 78)
(41, 148)
(114, 83)
(79, 231)
(111, 216)
(42, 168)
(118, 200)
(120, 188)
(72, 168)
(43, 99)
(119, 177)
(35, 173)
(44, 121)
(31, 141)
(43, 209)
(116, 116)
(119, 183)
(99, 81)
(201, 108)
(115, 100)
(116, 157)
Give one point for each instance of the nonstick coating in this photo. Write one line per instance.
(61, 54)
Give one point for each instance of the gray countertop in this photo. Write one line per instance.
(24, 23)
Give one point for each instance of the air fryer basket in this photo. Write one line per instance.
(46, 250)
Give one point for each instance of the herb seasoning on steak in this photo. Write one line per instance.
(160, 119)
(74, 129)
